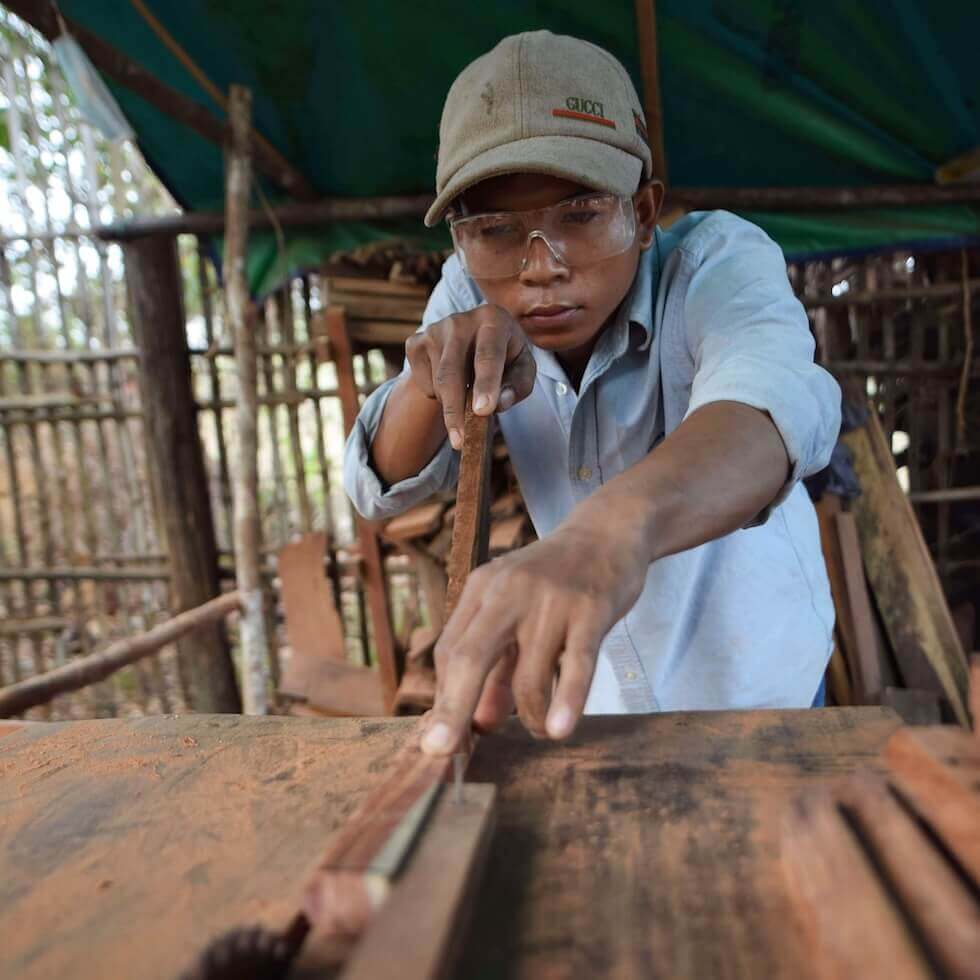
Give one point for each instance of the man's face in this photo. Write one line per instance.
(561, 309)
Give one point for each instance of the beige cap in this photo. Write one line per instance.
(541, 103)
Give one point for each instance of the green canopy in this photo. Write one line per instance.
(756, 93)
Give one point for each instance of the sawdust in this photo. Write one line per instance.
(135, 842)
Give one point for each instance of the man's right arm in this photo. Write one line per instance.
(397, 453)
(410, 434)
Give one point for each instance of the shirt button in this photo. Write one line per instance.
(584, 473)
(561, 388)
(630, 676)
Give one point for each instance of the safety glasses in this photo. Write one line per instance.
(579, 232)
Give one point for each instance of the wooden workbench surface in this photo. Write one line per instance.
(645, 847)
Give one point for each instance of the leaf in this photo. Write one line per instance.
(4, 135)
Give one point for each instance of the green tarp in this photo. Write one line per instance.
(755, 93)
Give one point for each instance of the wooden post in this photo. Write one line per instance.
(646, 39)
(372, 567)
(176, 467)
(248, 526)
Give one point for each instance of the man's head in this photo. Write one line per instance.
(541, 119)
(560, 294)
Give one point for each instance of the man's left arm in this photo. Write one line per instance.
(761, 416)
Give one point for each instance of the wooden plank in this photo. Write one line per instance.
(369, 305)
(937, 773)
(354, 876)
(648, 846)
(380, 333)
(312, 623)
(470, 523)
(838, 679)
(914, 706)
(928, 888)
(360, 333)
(432, 582)
(865, 656)
(852, 928)
(375, 585)
(418, 522)
(422, 925)
(376, 287)
(901, 572)
(975, 692)
(827, 508)
(332, 687)
(507, 534)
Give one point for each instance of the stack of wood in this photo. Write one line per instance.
(424, 534)
(896, 643)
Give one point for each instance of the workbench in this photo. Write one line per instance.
(646, 846)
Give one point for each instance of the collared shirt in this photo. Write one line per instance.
(743, 621)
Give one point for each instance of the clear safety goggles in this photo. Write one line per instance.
(578, 232)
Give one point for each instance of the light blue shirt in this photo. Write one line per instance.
(744, 621)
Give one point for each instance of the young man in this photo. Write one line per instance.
(658, 396)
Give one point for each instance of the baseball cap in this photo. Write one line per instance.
(541, 103)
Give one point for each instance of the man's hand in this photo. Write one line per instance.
(489, 339)
(523, 618)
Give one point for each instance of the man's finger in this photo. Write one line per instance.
(496, 703)
(463, 671)
(450, 387)
(419, 353)
(540, 644)
(518, 379)
(577, 667)
(489, 358)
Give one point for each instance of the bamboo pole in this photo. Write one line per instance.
(283, 304)
(280, 499)
(26, 694)
(72, 356)
(328, 210)
(248, 527)
(961, 428)
(214, 377)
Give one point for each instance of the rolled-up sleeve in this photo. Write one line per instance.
(370, 496)
(751, 343)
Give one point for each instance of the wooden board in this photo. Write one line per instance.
(372, 568)
(471, 520)
(333, 687)
(646, 846)
(863, 648)
(418, 522)
(901, 572)
(313, 625)
(421, 926)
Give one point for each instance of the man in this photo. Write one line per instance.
(658, 396)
